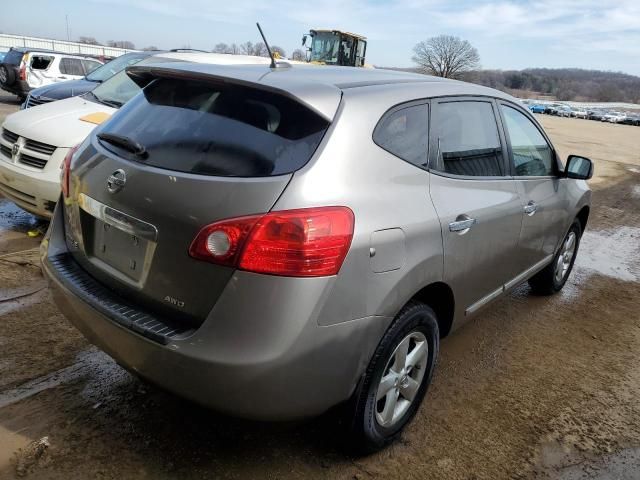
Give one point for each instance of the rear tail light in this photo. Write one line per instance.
(310, 242)
(22, 72)
(66, 171)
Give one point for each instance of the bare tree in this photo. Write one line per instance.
(234, 49)
(446, 56)
(246, 48)
(150, 48)
(221, 48)
(299, 55)
(88, 41)
(121, 44)
(260, 50)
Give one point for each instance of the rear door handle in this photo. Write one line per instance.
(462, 224)
(531, 208)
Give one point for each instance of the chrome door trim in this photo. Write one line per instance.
(118, 219)
(529, 272)
(484, 300)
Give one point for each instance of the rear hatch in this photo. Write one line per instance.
(182, 154)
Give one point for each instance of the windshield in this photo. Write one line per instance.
(325, 47)
(119, 89)
(116, 65)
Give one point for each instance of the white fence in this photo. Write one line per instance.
(7, 41)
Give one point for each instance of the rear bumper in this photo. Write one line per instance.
(260, 354)
(19, 87)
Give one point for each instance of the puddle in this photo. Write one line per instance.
(561, 464)
(14, 218)
(102, 373)
(614, 253)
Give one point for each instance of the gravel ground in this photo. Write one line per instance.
(534, 387)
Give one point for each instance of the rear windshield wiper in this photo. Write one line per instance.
(124, 143)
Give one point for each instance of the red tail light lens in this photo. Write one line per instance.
(22, 72)
(66, 171)
(310, 242)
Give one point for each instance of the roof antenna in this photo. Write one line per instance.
(273, 60)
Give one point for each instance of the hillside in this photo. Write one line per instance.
(566, 84)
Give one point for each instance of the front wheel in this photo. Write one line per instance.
(397, 378)
(553, 277)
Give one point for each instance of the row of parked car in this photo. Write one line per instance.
(602, 115)
(276, 241)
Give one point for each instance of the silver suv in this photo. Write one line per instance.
(272, 243)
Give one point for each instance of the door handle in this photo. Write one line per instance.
(462, 224)
(531, 208)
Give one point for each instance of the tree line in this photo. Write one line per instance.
(566, 84)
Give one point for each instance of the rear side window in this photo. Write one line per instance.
(468, 140)
(404, 133)
(532, 155)
(71, 66)
(41, 62)
(218, 129)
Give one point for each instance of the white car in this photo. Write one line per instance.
(24, 69)
(35, 141)
(614, 117)
(579, 113)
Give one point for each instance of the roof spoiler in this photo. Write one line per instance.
(324, 100)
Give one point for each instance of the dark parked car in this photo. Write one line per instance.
(595, 115)
(73, 88)
(632, 119)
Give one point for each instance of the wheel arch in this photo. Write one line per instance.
(439, 296)
(583, 217)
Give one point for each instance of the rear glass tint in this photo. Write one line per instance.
(218, 129)
(404, 132)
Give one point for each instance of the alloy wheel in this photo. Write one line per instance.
(401, 379)
(563, 263)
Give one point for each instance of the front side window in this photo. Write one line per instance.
(532, 155)
(325, 47)
(404, 133)
(71, 66)
(468, 141)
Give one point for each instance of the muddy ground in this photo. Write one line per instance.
(534, 387)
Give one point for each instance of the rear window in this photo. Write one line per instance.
(218, 129)
(13, 57)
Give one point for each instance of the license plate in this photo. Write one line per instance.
(119, 249)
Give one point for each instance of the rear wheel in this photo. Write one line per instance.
(7, 76)
(554, 276)
(397, 378)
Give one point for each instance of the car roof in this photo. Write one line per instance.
(313, 84)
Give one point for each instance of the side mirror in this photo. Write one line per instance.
(304, 40)
(578, 167)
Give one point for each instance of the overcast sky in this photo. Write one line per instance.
(509, 34)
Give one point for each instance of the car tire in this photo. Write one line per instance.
(7, 75)
(552, 278)
(417, 325)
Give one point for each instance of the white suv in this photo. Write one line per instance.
(23, 69)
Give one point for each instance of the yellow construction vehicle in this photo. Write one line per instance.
(334, 47)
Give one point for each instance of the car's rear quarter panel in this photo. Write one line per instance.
(384, 193)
